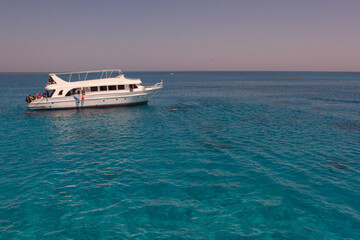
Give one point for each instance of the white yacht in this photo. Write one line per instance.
(104, 88)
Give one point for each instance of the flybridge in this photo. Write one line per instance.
(89, 75)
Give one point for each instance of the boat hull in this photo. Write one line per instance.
(94, 101)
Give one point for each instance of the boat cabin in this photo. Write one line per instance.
(106, 84)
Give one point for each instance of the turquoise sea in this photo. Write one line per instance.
(246, 155)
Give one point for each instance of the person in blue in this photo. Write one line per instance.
(45, 94)
(77, 95)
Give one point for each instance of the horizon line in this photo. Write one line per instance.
(337, 71)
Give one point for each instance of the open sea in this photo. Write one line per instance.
(246, 155)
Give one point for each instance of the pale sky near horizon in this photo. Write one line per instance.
(255, 35)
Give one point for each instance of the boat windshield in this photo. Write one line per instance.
(50, 93)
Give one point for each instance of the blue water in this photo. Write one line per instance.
(247, 155)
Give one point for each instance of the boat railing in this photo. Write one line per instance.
(159, 85)
(156, 85)
(91, 75)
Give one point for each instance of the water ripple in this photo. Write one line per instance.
(245, 155)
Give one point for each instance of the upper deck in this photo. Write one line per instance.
(88, 78)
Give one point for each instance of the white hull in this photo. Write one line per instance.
(95, 101)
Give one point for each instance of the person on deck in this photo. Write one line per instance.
(28, 99)
(77, 95)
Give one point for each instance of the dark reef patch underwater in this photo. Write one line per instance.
(214, 155)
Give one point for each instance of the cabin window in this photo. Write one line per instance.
(131, 87)
(50, 92)
(71, 92)
(103, 88)
(51, 81)
(121, 87)
(113, 87)
(60, 93)
(94, 89)
(135, 86)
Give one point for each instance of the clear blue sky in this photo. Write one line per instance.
(308, 35)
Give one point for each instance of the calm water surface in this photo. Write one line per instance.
(248, 155)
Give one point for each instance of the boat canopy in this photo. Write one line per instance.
(89, 75)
